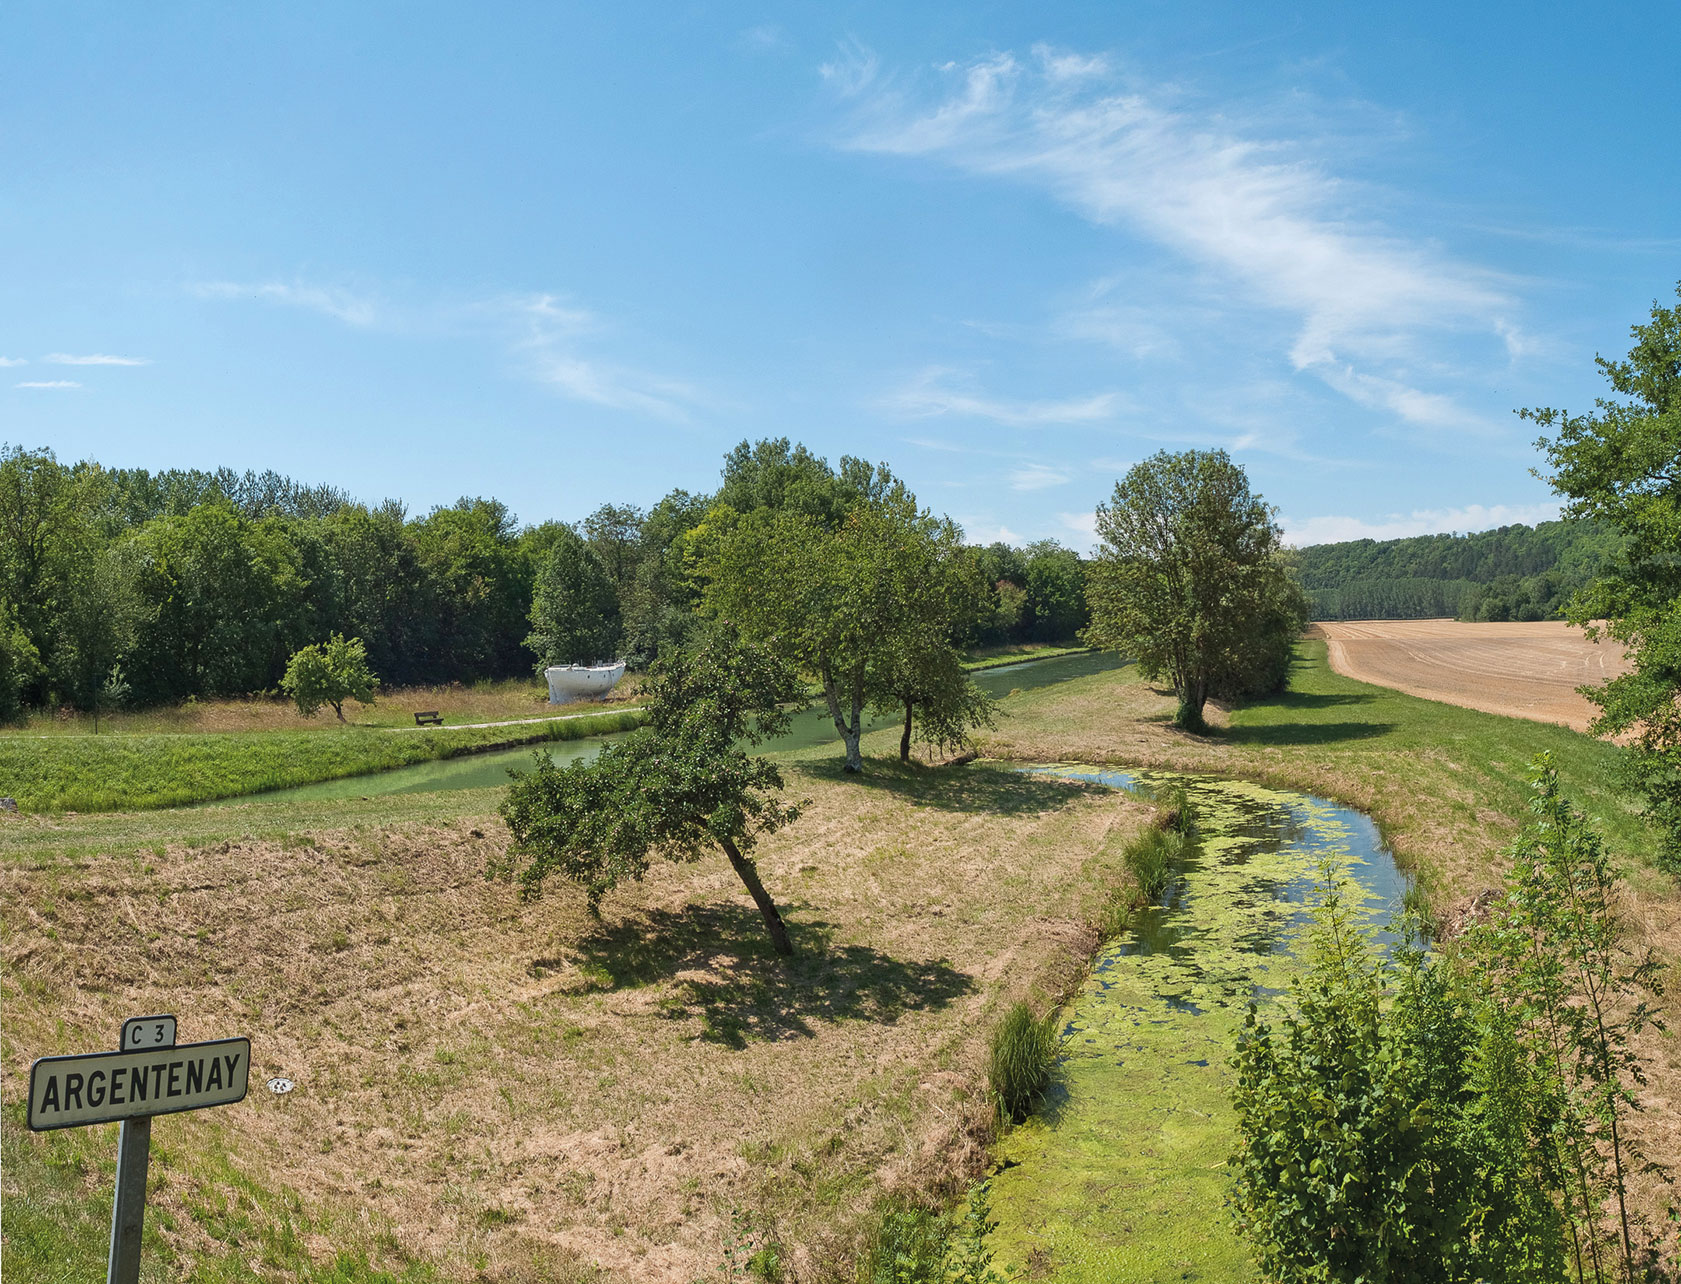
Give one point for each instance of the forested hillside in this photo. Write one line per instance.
(1512, 573)
(156, 587)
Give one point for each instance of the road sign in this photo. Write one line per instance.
(66, 1092)
(147, 1032)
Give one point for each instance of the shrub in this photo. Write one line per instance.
(906, 1244)
(1432, 1118)
(1024, 1049)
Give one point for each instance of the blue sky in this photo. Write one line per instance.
(563, 254)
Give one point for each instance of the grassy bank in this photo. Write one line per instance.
(997, 656)
(509, 1090)
(122, 772)
(481, 702)
(1447, 785)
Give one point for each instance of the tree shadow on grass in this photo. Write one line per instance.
(727, 975)
(1304, 733)
(975, 787)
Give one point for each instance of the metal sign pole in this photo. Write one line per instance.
(128, 1211)
(134, 1160)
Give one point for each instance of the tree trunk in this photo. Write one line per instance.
(338, 708)
(905, 739)
(854, 757)
(849, 734)
(1193, 695)
(767, 907)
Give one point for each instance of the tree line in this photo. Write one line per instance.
(1512, 573)
(163, 586)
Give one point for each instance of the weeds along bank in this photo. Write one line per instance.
(120, 772)
(486, 1085)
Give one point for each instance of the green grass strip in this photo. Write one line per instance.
(126, 772)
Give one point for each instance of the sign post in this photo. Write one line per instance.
(148, 1075)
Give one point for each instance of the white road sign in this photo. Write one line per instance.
(65, 1092)
(147, 1032)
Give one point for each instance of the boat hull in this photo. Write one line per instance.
(570, 682)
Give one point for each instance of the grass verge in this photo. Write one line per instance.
(997, 657)
(127, 772)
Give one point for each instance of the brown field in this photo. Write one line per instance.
(1520, 670)
(516, 1091)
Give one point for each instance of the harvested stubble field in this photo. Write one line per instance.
(1522, 670)
(489, 1089)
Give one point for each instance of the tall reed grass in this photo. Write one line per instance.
(1022, 1060)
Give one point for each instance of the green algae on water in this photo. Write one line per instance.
(1122, 1175)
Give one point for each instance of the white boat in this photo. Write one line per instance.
(569, 682)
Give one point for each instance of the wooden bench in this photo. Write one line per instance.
(429, 718)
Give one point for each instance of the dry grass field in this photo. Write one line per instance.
(514, 1091)
(1520, 670)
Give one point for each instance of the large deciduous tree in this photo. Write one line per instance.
(1189, 580)
(1622, 466)
(849, 584)
(574, 610)
(681, 785)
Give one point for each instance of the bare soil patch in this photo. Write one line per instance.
(1522, 670)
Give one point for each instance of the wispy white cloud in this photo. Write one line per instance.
(852, 70)
(1424, 409)
(1260, 215)
(1038, 477)
(1474, 517)
(1080, 523)
(48, 383)
(93, 359)
(6, 363)
(341, 305)
(988, 532)
(555, 342)
(929, 395)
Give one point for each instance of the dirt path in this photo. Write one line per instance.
(1520, 670)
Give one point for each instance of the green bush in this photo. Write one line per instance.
(1024, 1049)
(1437, 1118)
(908, 1244)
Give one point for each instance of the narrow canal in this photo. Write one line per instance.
(1122, 1177)
(811, 728)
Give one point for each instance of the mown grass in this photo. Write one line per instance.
(130, 772)
(502, 700)
(56, 1218)
(1018, 653)
(515, 1083)
(1447, 786)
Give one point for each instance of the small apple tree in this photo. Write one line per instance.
(329, 672)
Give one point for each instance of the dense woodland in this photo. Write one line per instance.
(155, 587)
(1512, 573)
(147, 588)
